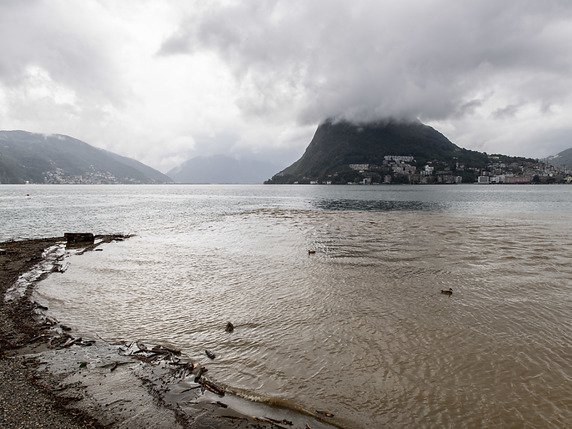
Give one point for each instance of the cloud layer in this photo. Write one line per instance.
(162, 81)
(370, 58)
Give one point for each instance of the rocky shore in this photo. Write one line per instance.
(24, 403)
(50, 377)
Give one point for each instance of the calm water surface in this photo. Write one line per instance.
(360, 328)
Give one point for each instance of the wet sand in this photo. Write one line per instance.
(50, 377)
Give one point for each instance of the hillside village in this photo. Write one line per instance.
(500, 169)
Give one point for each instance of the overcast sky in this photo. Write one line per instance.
(162, 81)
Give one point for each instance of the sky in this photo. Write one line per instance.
(163, 81)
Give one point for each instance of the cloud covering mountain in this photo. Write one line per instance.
(165, 81)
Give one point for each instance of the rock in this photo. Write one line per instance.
(210, 354)
(79, 237)
(447, 292)
(229, 327)
(200, 373)
(311, 252)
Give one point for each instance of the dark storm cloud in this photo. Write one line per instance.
(366, 59)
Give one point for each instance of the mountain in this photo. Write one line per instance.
(337, 144)
(222, 169)
(39, 158)
(562, 159)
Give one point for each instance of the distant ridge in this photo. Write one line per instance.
(55, 158)
(222, 169)
(562, 159)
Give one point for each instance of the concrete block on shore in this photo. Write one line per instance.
(79, 237)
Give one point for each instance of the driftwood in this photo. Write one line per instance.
(273, 422)
(165, 350)
(210, 386)
(113, 365)
(39, 306)
(186, 369)
(66, 340)
(38, 338)
(191, 388)
(50, 321)
(284, 421)
(142, 347)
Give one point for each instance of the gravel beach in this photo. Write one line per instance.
(52, 378)
(24, 401)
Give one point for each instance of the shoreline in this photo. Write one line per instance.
(58, 379)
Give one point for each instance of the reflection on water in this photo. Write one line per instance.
(379, 205)
(359, 328)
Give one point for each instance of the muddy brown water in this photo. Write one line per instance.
(360, 328)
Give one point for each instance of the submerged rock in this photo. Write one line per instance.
(79, 237)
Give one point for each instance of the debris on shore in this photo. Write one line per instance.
(79, 238)
(125, 384)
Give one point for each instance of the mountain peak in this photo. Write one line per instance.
(337, 144)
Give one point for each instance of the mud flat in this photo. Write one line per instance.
(52, 377)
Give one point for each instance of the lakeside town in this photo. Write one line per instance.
(500, 169)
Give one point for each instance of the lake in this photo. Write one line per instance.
(360, 327)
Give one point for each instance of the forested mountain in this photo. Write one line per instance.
(339, 144)
(40, 158)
